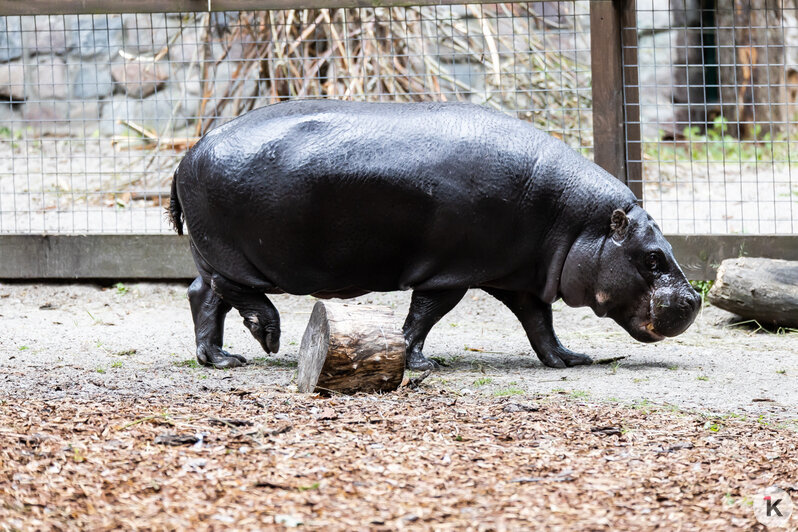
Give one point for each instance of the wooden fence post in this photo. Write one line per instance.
(616, 120)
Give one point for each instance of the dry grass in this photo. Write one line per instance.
(409, 459)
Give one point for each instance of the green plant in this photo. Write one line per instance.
(509, 391)
(190, 363)
(482, 381)
(579, 394)
(23, 348)
(717, 145)
(702, 378)
(121, 289)
(100, 370)
(117, 364)
(703, 288)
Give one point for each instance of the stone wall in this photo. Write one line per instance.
(82, 74)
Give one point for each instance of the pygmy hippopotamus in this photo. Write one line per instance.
(338, 199)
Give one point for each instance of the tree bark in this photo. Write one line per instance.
(750, 40)
(351, 348)
(765, 290)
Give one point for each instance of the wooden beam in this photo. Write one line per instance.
(113, 257)
(616, 111)
(29, 257)
(609, 151)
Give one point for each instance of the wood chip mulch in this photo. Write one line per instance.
(412, 459)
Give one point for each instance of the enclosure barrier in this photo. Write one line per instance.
(98, 107)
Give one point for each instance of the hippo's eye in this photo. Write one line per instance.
(652, 261)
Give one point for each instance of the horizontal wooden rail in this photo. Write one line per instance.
(111, 257)
(79, 7)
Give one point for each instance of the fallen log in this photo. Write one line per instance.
(765, 290)
(351, 348)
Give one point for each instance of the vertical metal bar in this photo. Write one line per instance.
(631, 92)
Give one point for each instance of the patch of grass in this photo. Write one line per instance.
(482, 381)
(275, 362)
(702, 378)
(641, 379)
(125, 353)
(447, 361)
(23, 348)
(615, 365)
(712, 427)
(579, 394)
(121, 289)
(717, 145)
(100, 370)
(313, 486)
(509, 391)
(190, 363)
(782, 372)
(117, 364)
(703, 288)
(673, 367)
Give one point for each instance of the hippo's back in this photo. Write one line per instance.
(315, 196)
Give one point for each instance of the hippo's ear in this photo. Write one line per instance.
(619, 223)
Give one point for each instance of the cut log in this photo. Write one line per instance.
(351, 348)
(765, 290)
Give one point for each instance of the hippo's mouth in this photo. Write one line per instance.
(649, 330)
(641, 327)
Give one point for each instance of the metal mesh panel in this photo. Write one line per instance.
(718, 85)
(97, 110)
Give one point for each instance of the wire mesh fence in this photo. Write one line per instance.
(97, 110)
(718, 84)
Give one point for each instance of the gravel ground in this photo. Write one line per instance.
(88, 342)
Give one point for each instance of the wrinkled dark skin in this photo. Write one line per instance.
(338, 199)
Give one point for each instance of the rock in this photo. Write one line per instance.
(44, 34)
(91, 81)
(49, 79)
(10, 38)
(95, 35)
(12, 82)
(139, 79)
(149, 32)
(59, 117)
(152, 112)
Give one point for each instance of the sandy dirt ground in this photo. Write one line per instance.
(107, 423)
(82, 341)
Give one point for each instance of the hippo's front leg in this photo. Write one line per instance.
(535, 316)
(209, 312)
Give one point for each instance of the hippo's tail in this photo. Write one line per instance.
(175, 209)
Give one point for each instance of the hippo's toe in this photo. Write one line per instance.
(418, 362)
(219, 358)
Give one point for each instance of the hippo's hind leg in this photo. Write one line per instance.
(209, 311)
(426, 309)
(535, 316)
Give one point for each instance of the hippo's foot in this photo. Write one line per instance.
(564, 358)
(418, 362)
(219, 358)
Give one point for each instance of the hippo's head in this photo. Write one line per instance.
(628, 272)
